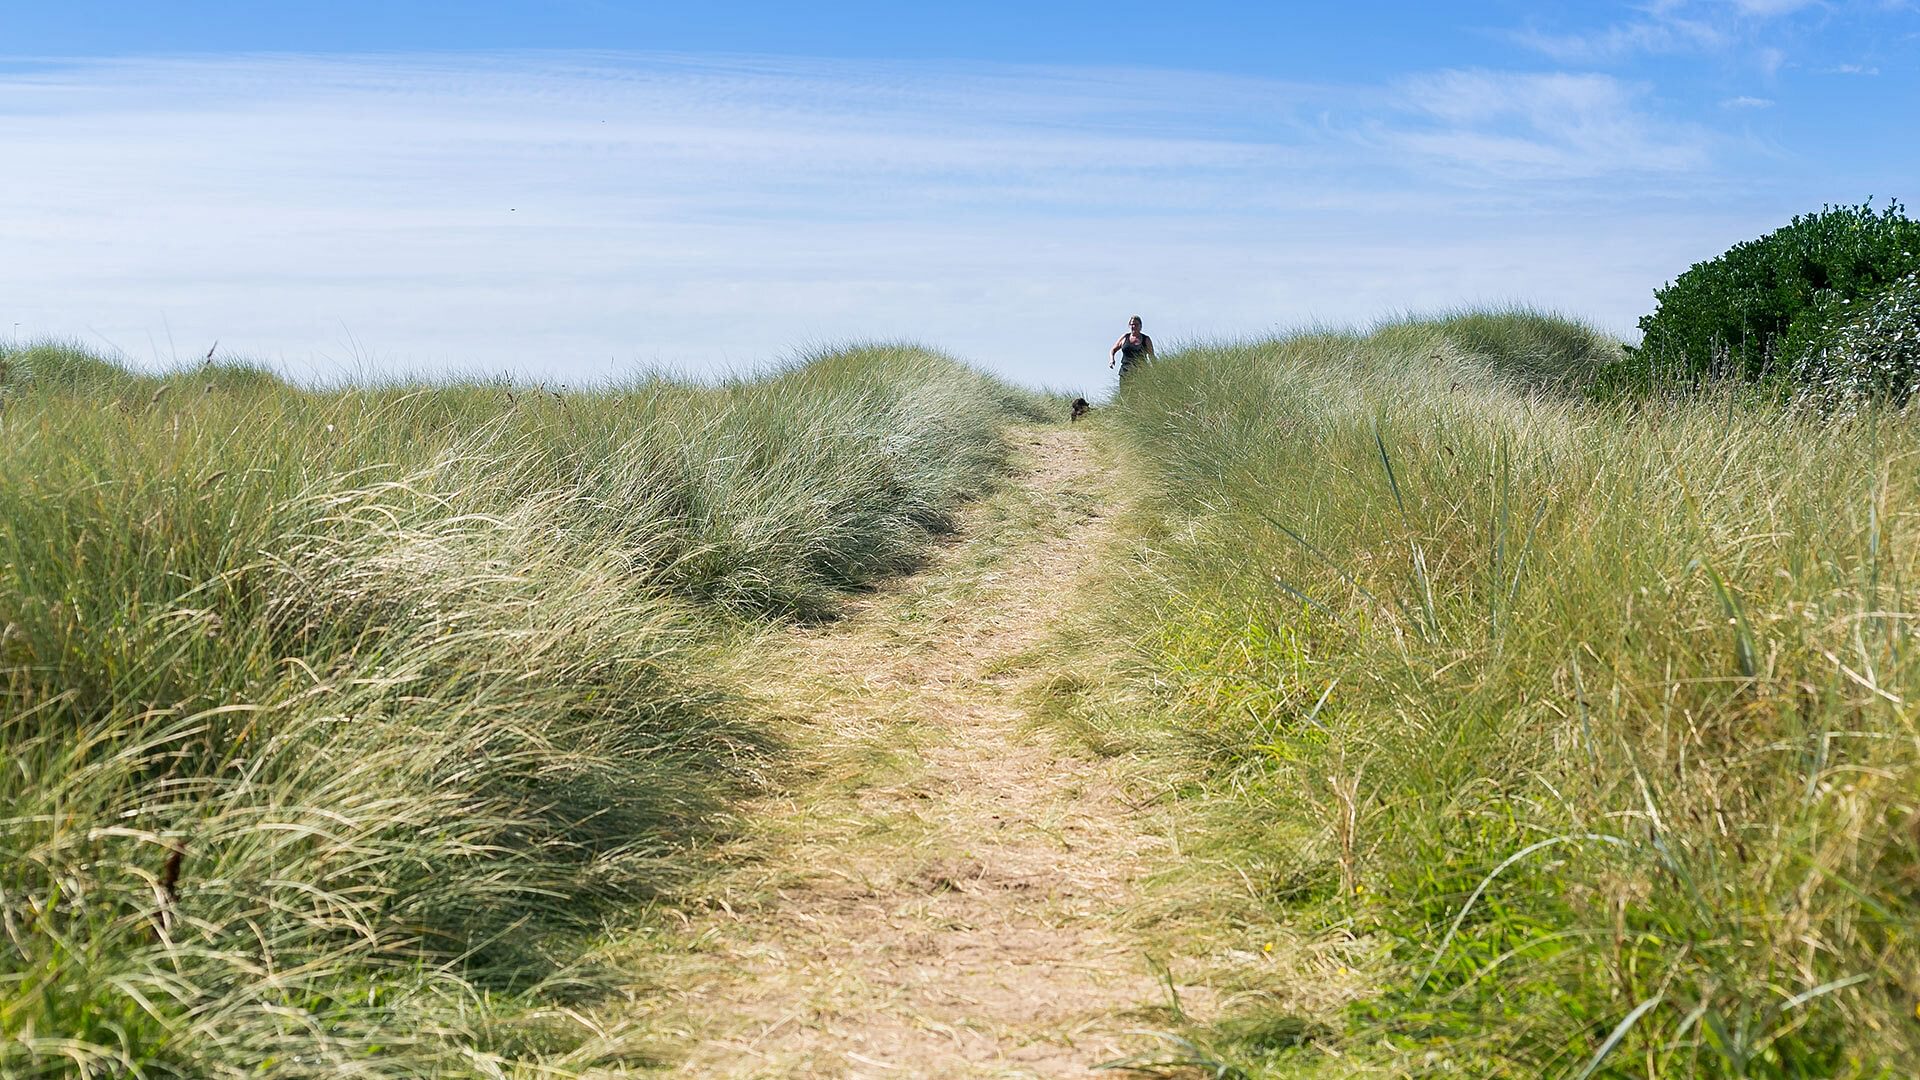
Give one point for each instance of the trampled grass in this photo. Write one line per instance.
(1588, 727)
(337, 720)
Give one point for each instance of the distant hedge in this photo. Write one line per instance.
(1758, 311)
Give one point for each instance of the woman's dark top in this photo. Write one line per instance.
(1134, 350)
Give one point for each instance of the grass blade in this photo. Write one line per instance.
(1551, 841)
(1619, 1032)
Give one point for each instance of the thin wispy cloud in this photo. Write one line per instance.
(1770, 9)
(1671, 27)
(1544, 125)
(1661, 33)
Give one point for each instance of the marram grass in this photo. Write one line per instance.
(1589, 727)
(335, 720)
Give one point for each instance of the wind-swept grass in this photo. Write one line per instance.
(1592, 725)
(335, 719)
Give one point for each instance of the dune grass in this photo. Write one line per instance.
(1588, 726)
(338, 721)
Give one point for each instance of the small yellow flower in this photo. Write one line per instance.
(1268, 948)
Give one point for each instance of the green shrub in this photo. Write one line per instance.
(1752, 312)
(1872, 356)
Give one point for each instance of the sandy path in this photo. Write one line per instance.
(948, 893)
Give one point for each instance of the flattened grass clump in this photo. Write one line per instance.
(336, 719)
(1526, 348)
(1596, 720)
(50, 365)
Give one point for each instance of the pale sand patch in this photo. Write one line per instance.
(949, 894)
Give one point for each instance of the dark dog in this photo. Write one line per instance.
(1081, 408)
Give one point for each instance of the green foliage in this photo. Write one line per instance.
(335, 719)
(1753, 312)
(1587, 725)
(1874, 355)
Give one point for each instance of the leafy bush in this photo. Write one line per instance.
(1754, 311)
(1875, 355)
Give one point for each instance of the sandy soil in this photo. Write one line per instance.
(948, 893)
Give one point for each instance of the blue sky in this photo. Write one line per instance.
(569, 190)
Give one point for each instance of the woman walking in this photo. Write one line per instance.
(1133, 349)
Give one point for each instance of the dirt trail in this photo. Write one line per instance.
(948, 894)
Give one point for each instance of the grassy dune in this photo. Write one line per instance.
(1588, 728)
(336, 721)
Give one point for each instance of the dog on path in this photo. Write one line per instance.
(1081, 408)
